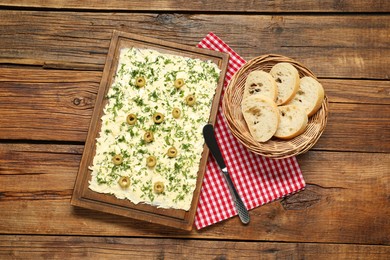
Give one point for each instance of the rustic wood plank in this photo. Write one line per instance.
(342, 213)
(60, 247)
(49, 105)
(357, 91)
(30, 75)
(57, 105)
(356, 127)
(359, 46)
(337, 90)
(210, 6)
(346, 201)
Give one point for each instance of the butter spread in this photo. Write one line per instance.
(121, 148)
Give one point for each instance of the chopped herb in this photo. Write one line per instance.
(186, 146)
(139, 101)
(158, 95)
(167, 140)
(153, 96)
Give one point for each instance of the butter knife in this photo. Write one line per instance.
(211, 141)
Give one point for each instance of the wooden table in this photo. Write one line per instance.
(52, 55)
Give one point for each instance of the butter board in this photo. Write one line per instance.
(86, 198)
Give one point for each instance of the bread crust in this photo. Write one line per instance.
(260, 82)
(286, 116)
(293, 121)
(261, 116)
(310, 95)
(287, 80)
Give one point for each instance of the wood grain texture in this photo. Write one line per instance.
(333, 46)
(52, 55)
(210, 6)
(357, 127)
(60, 247)
(57, 105)
(49, 105)
(346, 201)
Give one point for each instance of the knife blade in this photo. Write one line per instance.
(211, 141)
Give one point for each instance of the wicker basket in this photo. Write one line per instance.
(274, 148)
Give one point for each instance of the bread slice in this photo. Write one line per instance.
(260, 82)
(293, 121)
(287, 80)
(309, 95)
(261, 115)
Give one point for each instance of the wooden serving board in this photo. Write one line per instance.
(86, 198)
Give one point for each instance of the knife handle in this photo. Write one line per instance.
(240, 206)
(211, 141)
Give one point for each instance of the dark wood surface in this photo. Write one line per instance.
(52, 55)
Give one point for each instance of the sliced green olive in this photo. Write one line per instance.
(190, 100)
(176, 112)
(158, 118)
(131, 119)
(158, 187)
(172, 152)
(148, 136)
(124, 181)
(140, 82)
(179, 83)
(151, 161)
(117, 159)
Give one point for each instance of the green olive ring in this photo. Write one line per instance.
(158, 187)
(176, 112)
(179, 83)
(172, 152)
(131, 119)
(140, 82)
(148, 136)
(158, 118)
(151, 161)
(190, 100)
(124, 181)
(117, 159)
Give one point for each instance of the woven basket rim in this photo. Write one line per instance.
(274, 148)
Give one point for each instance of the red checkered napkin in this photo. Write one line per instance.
(258, 179)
